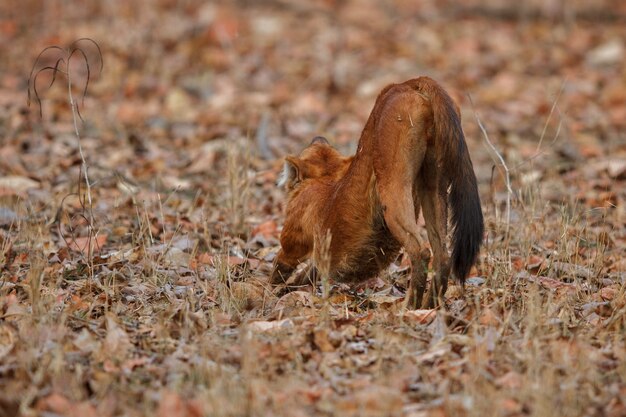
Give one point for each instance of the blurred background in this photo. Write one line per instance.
(544, 77)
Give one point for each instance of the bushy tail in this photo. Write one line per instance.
(451, 149)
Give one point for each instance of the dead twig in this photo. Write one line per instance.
(507, 176)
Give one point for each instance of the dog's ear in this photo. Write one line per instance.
(319, 139)
(292, 172)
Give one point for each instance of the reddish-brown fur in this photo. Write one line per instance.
(411, 155)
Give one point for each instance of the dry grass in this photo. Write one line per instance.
(543, 333)
(141, 288)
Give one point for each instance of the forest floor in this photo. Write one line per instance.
(146, 293)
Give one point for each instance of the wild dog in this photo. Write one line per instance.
(412, 154)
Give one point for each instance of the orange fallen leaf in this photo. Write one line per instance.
(266, 229)
(58, 404)
(509, 406)
(321, 340)
(172, 404)
(87, 243)
(55, 403)
(534, 262)
(110, 367)
(488, 318)
(77, 304)
(608, 293)
(517, 262)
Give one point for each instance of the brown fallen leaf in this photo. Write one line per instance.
(172, 404)
(7, 340)
(571, 270)
(419, 316)
(385, 301)
(534, 263)
(509, 406)
(117, 345)
(488, 317)
(321, 340)
(55, 403)
(608, 293)
(16, 311)
(131, 364)
(372, 400)
(87, 244)
(15, 184)
(176, 257)
(85, 342)
(77, 304)
(61, 405)
(249, 294)
(431, 356)
(294, 303)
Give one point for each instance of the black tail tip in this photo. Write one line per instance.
(468, 239)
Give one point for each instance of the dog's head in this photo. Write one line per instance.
(319, 160)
